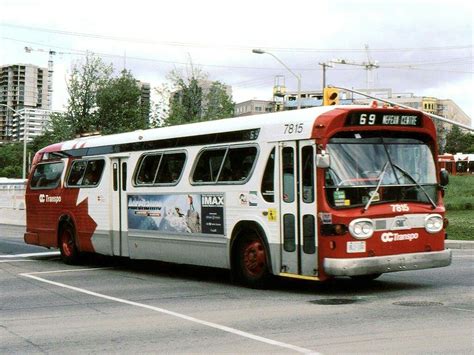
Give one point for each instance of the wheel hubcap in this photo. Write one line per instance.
(67, 243)
(254, 258)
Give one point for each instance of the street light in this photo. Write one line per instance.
(24, 137)
(297, 76)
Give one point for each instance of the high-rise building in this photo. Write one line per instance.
(145, 99)
(22, 86)
(30, 123)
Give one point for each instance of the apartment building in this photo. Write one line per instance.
(22, 86)
(35, 120)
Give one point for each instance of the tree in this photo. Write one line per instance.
(119, 108)
(86, 79)
(219, 103)
(11, 156)
(190, 97)
(459, 142)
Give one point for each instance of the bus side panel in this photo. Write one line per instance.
(98, 210)
(204, 250)
(42, 214)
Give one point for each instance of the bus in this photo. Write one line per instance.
(318, 193)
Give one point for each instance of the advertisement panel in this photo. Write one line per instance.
(180, 213)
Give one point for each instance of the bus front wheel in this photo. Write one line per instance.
(67, 245)
(252, 261)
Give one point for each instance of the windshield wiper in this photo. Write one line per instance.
(416, 183)
(374, 193)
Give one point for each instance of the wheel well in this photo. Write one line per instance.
(243, 228)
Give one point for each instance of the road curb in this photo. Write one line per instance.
(459, 244)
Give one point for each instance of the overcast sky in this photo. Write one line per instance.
(422, 46)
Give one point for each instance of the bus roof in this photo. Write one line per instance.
(277, 126)
(269, 125)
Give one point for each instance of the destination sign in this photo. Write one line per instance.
(383, 119)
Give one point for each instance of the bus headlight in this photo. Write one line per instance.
(361, 228)
(433, 223)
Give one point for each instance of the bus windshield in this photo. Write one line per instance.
(378, 168)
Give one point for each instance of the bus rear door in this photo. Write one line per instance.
(119, 202)
(298, 208)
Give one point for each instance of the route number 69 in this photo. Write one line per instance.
(367, 119)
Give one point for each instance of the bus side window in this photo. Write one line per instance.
(93, 173)
(85, 173)
(238, 164)
(47, 176)
(268, 182)
(170, 168)
(76, 172)
(147, 169)
(208, 165)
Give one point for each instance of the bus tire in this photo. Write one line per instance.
(67, 244)
(251, 261)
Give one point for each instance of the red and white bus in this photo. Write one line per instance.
(314, 194)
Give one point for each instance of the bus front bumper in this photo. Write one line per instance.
(383, 264)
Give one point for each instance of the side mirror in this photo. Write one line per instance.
(322, 160)
(443, 177)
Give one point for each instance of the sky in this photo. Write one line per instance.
(424, 47)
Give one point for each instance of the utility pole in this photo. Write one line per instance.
(325, 65)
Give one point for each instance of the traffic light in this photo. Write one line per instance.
(330, 96)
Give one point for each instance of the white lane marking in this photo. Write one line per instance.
(28, 255)
(15, 261)
(65, 270)
(174, 314)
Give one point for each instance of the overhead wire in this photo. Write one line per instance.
(225, 46)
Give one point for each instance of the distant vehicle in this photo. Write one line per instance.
(313, 194)
(458, 163)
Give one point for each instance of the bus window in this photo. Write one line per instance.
(85, 173)
(288, 175)
(289, 241)
(309, 245)
(170, 168)
(147, 169)
(268, 184)
(238, 164)
(308, 174)
(76, 172)
(208, 165)
(47, 176)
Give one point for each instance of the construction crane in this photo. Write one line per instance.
(369, 66)
(50, 71)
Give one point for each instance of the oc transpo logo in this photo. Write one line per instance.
(49, 199)
(389, 237)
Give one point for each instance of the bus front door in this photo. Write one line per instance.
(298, 208)
(119, 201)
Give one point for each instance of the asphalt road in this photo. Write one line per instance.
(114, 305)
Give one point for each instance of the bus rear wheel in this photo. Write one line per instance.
(252, 261)
(67, 245)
